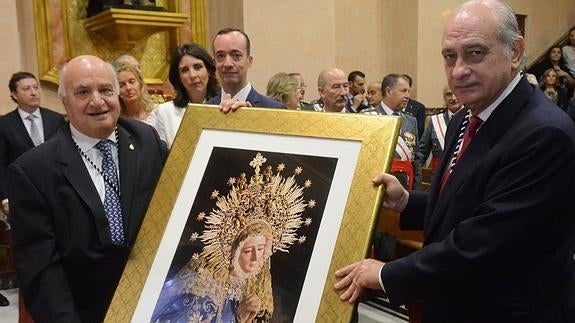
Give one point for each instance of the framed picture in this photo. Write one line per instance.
(253, 213)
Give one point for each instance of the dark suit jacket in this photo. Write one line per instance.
(66, 264)
(571, 109)
(417, 109)
(256, 99)
(499, 239)
(15, 140)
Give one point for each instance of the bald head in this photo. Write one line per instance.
(89, 91)
(333, 88)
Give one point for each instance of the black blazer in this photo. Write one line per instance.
(256, 99)
(15, 140)
(500, 237)
(417, 109)
(66, 264)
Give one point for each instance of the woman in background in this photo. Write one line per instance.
(553, 90)
(285, 89)
(135, 101)
(193, 76)
(554, 60)
(569, 53)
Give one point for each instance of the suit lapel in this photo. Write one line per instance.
(49, 123)
(494, 127)
(128, 159)
(253, 97)
(20, 128)
(75, 172)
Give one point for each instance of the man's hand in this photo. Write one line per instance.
(355, 278)
(357, 100)
(249, 307)
(396, 196)
(229, 104)
(6, 208)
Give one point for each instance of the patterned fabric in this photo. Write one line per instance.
(34, 132)
(465, 138)
(112, 203)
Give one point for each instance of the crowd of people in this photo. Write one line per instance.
(76, 191)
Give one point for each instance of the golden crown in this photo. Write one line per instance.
(265, 196)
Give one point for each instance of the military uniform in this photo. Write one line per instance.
(407, 162)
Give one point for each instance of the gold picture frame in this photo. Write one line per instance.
(363, 146)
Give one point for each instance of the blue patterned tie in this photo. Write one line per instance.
(112, 203)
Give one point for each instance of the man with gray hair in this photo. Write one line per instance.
(78, 199)
(406, 165)
(499, 219)
(333, 89)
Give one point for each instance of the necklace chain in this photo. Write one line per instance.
(115, 187)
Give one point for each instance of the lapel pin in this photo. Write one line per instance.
(131, 147)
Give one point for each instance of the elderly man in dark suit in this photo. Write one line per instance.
(233, 59)
(79, 199)
(499, 220)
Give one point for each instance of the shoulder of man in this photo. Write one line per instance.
(259, 100)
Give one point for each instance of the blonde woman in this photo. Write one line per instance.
(135, 100)
(285, 89)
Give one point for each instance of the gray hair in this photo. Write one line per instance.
(390, 81)
(62, 79)
(507, 29)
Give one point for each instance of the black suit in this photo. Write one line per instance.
(499, 238)
(66, 263)
(417, 109)
(15, 140)
(256, 99)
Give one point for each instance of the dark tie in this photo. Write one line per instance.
(470, 131)
(34, 132)
(395, 114)
(112, 204)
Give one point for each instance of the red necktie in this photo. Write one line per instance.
(470, 131)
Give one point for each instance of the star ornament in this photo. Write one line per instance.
(194, 236)
(215, 194)
(201, 216)
(281, 167)
(307, 222)
(307, 183)
(231, 181)
(311, 204)
(302, 239)
(298, 170)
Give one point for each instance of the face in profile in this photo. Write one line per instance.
(399, 95)
(357, 86)
(251, 253)
(130, 87)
